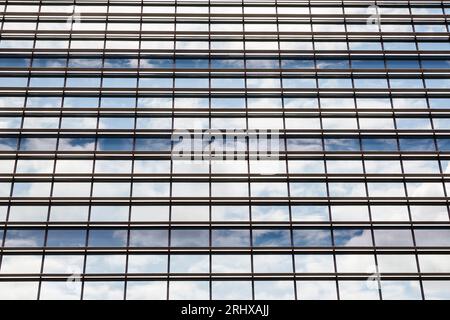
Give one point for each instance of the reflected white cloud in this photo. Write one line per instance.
(231, 290)
(229, 189)
(146, 290)
(60, 290)
(149, 213)
(143, 263)
(436, 290)
(314, 263)
(268, 189)
(21, 264)
(71, 189)
(31, 189)
(18, 290)
(392, 263)
(348, 189)
(63, 264)
(189, 263)
(401, 290)
(111, 189)
(151, 189)
(274, 290)
(231, 263)
(273, 263)
(355, 263)
(357, 290)
(270, 213)
(434, 263)
(189, 290)
(105, 263)
(389, 213)
(350, 213)
(316, 290)
(111, 290)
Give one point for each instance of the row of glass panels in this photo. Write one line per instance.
(102, 143)
(184, 43)
(234, 123)
(224, 290)
(274, 237)
(302, 62)
(226, 213)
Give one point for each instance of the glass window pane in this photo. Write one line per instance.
(60, 290)
(107, 238)
(189, 238)
(148, 238)
(316, 290)
(274, 290)
(312, 238)
(189, 290)
(271, 238)
(352, 237)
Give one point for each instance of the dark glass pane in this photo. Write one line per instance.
(342, 145)
(148, 238)
(227, 63)
(8, 143)
(37, 144)
(435, 64)
(66, 238)
(443, 144)
(368, 64)
(436, 237)
(153, 144)
(115, 144)
(372, 144)
(352, 237)
(189, 238)
(417, 144)
(271, 238)
(312, 238)
(297, 64)
(192, 63)
(332, 64)
(263, 64)
(107, 238)
(49, 63)
(121, 63)
(14, 62)
(85, 63)
(76, 144)
(24, 238)
(402, 64)
(298, 144)
(156, 63)
(393, 238)
(230, 238)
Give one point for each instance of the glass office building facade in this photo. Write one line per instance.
(94, 203)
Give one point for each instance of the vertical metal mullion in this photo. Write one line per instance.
(56, 153)
(319, 103)
(133, 153)
(362, 154)
(432, 126)
(411, 224)
(438, 152)
(19, 144)
(96, 147)
(3, 238)
(169, 231)
(210, 154)
(288, 181)
(247, 154)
